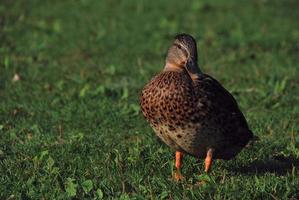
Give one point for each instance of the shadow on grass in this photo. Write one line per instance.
(277, 164)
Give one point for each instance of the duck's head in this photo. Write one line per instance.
(182, 53)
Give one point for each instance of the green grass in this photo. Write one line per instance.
(71, 126)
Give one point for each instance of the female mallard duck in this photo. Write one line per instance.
(190, 111)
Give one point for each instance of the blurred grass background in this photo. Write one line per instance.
(70, 127)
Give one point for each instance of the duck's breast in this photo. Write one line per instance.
(168, 102)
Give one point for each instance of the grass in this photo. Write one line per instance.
(71, 126)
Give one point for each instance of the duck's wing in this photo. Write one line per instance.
(219, 104)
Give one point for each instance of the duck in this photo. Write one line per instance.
(190, 111)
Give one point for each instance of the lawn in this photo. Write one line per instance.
(70, 77)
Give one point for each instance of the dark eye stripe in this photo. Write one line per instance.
(183, 49)
(177, 45)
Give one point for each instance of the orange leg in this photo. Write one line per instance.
(208, 160)
(178, 159)
(178, 164)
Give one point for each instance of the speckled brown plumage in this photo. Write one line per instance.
(190, 111)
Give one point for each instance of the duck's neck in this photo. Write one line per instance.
(173, 67)
(192, 69)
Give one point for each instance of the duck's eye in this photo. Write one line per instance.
(179, 46)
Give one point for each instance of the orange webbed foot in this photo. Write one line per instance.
(177, 176)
